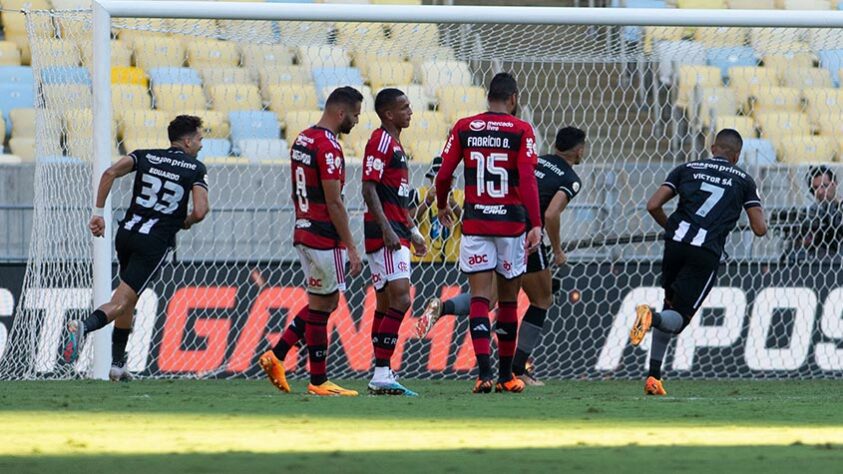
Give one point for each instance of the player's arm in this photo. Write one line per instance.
(451, 157)
(124, 166)
(339, 217)
(416, 238)
(655, 206)
(374, 205)
(200, 206)
(754, 211)
(552, 219)
(529, 188)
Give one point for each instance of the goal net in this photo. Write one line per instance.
(649, 98)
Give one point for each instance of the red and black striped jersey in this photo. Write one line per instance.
(316, 156)
(386, 165)
(499, 154)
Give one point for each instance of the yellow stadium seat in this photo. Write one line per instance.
(799, 149)
(830, 124)
(370, 55)
(244, 30)
(129, 75)
(143, 124)
(226, 75)
(212, 53)
(298, 120)
(66, 96)
(313, 56)
(777, 40)
(368, 123)
(422, 55)
(261, 56)
(285, 98)
(121, 54)
(692, 76)
(14, 22)
(781, 63)
(807, 5)
(130, 96)
(215, 123)
(653, 34)
(158, 52)
(744, 125)
(426, 125)
(823, 101)
(454, 100)
(179, 97)
(294, 33)
(415, 35)
(721, 36)
(743, 78)
(349, 34)
(283, 75)
(751, 4)
(9, 54)
(231, 97)
(29, 4)
(159, 141)
(78, 123)
(423, 151)
(395, 2)
(22, 42)
(706, 4)
(56, 52)
(190, 29)
(84, 148)
(436, 74)
(774, 99)
(777, 125)
(716, 102)
(23, 147)
(146, 32)
(389, 74)
(23, 122)
(808, 78)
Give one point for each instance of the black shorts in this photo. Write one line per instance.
(688, 274)
(140, 257)
(539, 260)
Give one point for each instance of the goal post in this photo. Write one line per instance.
(233, 287)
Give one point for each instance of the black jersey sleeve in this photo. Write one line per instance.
(751, 198)
(201, 177)
(674, 178)
(134, 156)
(570, 185)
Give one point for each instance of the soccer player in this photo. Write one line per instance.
(322, 239)
(558, 183)
(711, 194)
(389, 232)
(500, 197)
(164, 182)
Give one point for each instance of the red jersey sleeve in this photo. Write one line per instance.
(451, 157)
(527, 160)
(376, 156)
(329, 159)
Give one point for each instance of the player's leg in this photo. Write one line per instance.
(435, 308)
(478, 257)
(537, 286)
(272, 361)
(511, 265)
(122, 330)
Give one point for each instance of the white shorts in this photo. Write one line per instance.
(387, 266)
(324, 270)
(505, 255)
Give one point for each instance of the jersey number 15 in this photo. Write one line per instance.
(488, 164)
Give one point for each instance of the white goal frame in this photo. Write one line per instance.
(105, 10)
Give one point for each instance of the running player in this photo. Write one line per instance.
(711, 194)
(389, 232)
(165, 180)
(322, 239)
(500, 197)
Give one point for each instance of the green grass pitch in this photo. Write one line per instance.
(247, 426)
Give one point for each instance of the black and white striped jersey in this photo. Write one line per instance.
(712, 193)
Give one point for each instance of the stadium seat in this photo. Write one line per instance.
(332, 77)
(283, 75)
(703, 4)
(368, 123)
(743, 78)
(10, 160)
(807, 78)
(212, 53)
(23, 122)
(725, 58)
(263, 149)
(757, 152)
(298, 120)
(71, 4)
(775, 99)
(635, 33)
(78, 123)
(214, 122)
(179, 97)
(823, 101)
(253, 124)
(143, 124)
(294, 33)
(352, 33)
(214, 147)
(322, 56)
(121, 54)
(24, 148)
(423, 151)
(129, 75)
(832, 60)
(673, 53)
(800, 149)
(390, 73)
(721, 36)
(66, 75)
(436, 74)
(135, 31)
(453, 100)
(225, 160)
(715, 102)
(366, 91)
(371, 53)
(807, 5)
(15, 96)
(693, 76)
(775, 126)
(155, 142)
(130, 96)
(248, 32)
(829, 124)
(656, 34)
(17, 75)
(261, 56)
(57, 52)
(284, 98)
(22, 42)
(174, 75)
(418, 57)
(744, 125)
(751, 4)
(232, 97)
(774, 40)
(9, 54)
(158, 52)
(3, 128)
(781, 63)
(426, 125)
(226, 75)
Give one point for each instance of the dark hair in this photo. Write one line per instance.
(386, 98)
(182, 126)
(502, 87)
(820, 170)
(345, 95)
(568, 138)
(730, 137)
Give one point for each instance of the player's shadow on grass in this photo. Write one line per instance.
(752, 459)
